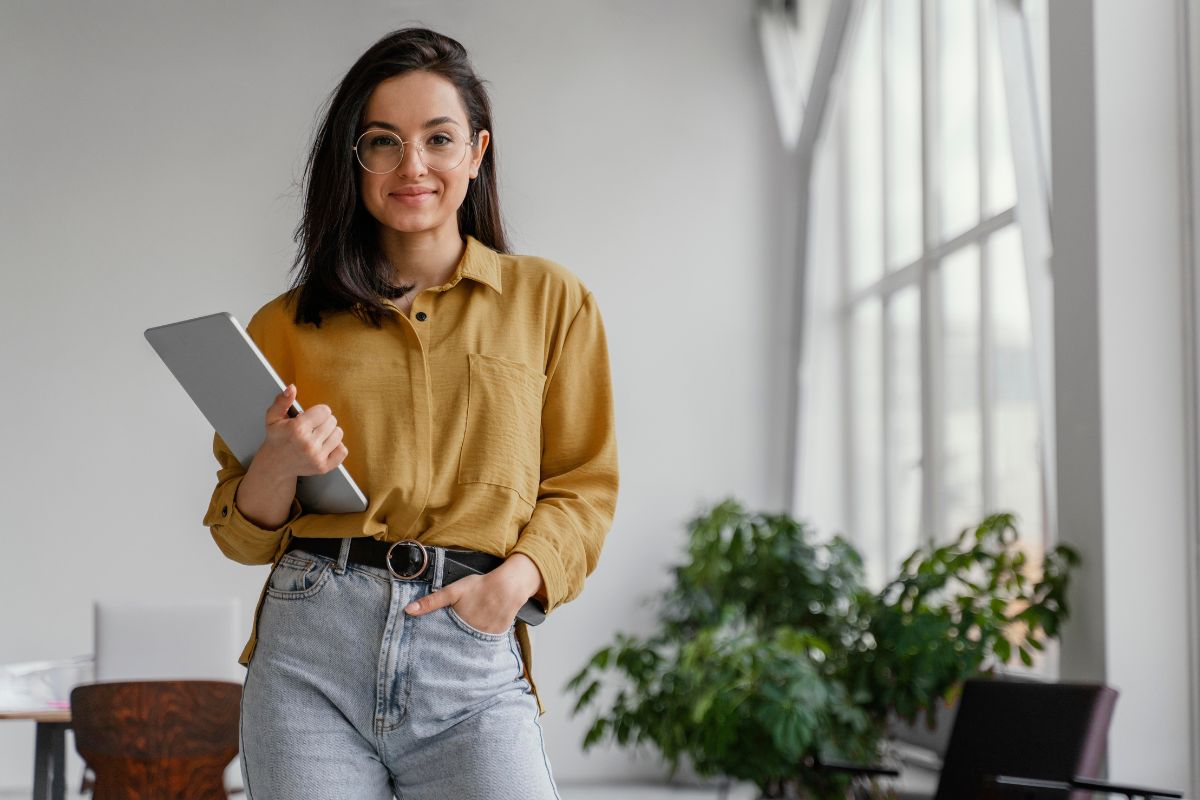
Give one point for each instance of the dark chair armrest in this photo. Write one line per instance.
(1093, 785)
(872, 770)
(1086, 785)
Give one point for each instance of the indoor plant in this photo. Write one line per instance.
(771, 655)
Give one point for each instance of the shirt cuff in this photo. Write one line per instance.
(545, 558)
(240, 534)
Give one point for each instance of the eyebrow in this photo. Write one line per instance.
(375, 123)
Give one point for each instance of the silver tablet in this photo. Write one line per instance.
(233, 385)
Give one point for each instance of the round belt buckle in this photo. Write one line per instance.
(424, 560)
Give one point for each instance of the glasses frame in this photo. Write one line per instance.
(419, 147)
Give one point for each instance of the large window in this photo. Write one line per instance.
(940, 390)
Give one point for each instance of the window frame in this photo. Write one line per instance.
(1189, 193)
(1030, 214)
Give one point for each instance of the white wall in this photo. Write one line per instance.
(1140, 281)
(1119, 280)
(151, 153)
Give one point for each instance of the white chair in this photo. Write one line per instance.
(195, 640)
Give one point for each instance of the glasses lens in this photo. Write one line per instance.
(444, 150)
(379, 151)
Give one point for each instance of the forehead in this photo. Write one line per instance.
(408, 101)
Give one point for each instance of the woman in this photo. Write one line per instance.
(473, 386)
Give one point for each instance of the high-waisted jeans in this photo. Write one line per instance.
(349, 697)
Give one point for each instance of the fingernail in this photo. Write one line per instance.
(411, 607)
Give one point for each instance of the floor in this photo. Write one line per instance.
(626, 791)
(633, 791)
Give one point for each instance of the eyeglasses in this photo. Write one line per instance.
(380, 151)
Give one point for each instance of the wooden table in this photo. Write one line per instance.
(50, 751)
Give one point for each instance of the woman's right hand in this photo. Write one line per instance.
(309, 443)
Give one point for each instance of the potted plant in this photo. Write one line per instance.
(771, 657)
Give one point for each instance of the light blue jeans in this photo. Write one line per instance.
(349, 697)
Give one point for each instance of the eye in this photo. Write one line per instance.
(440, 140)
(382, 141)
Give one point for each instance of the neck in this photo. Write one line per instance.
(423, 259)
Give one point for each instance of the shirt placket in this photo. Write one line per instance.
(416, 339)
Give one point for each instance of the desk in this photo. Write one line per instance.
(50, 752)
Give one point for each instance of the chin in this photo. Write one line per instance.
(409, 223)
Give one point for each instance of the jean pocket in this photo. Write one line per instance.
(468, 628)
(297, 575)
(502, 441)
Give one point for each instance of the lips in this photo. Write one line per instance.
(412, 196)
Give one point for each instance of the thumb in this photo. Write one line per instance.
(283, 402)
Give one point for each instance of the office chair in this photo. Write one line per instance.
(1024, 740)
(1048, 731)
(157, 739)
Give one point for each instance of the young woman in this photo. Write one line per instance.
(467, 392)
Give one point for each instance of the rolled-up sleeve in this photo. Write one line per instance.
(577, 494)
(239, 538)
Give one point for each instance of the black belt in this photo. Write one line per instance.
(412, 561)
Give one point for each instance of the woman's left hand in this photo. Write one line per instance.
(488, 602)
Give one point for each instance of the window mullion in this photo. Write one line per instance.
(986, 353)
(849, 353)
(908, 274)
(931, 423)
(889, 528)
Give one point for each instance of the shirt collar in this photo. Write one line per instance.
(479, 263)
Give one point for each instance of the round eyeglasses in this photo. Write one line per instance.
(380, 151)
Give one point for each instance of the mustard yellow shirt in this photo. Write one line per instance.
(481, 419)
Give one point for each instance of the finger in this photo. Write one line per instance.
(331, 442)
(317, 414)
(321, 432)
(283, 402)
(431, 602)
(336, 457)
(333, 452)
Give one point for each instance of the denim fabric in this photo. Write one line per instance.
(349, 697)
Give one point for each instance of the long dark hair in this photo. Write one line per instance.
(339, 263)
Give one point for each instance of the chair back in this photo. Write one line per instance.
(157, 739)
(1046, 731)
(197, 640)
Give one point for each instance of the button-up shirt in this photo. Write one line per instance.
(483, 419)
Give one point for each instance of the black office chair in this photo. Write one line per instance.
(1046, 731)
(1020, 740)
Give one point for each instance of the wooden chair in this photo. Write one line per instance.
(157, 739)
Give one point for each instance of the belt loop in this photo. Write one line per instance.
(343, 556)
(439, 563)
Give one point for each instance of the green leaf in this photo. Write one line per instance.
(1026, 656)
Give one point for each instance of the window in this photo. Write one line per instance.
(941, 404)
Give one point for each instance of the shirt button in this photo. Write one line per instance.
(421, 316)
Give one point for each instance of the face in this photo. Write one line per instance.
(412, 198)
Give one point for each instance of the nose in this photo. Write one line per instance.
(411, 163)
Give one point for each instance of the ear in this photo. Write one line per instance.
(482, 137)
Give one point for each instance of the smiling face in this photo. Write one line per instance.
(413, 199)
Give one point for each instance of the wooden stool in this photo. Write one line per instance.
(157, 739)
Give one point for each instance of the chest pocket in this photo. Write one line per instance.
(502, 444)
